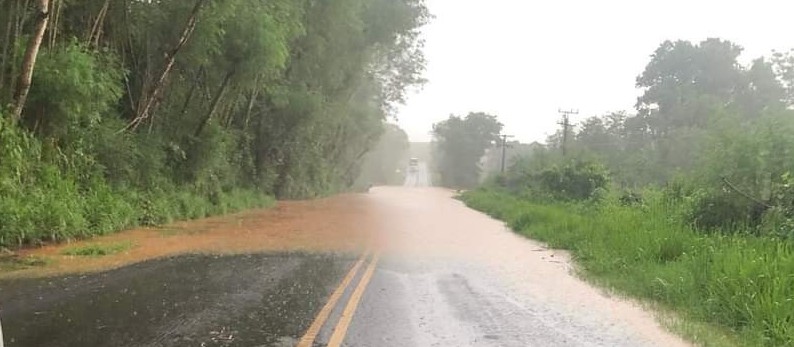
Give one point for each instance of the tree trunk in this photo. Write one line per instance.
(96, 29)
(29, 61)
(215, 102)
(56, 8)
(7, 44)
(191, 92)
(152, 97)
(250, 109)
(20, 19)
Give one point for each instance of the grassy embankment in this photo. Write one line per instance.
(42, 218)
(744, 285)
(64, 212)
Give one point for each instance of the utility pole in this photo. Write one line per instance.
(504, 150)
(566, 128)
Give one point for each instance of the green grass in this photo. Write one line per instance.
(60, 211)
(742, 285)
(12, 262)
(97, 250)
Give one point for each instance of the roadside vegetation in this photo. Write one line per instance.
(687, 203)
(458, 144)
(14, 262)
(115, 114)
(97, 250)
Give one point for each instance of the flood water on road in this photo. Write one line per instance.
(452, 276)
(338, 224)
(437, 274)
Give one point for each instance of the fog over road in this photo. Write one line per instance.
(418, 177)
(435, 273)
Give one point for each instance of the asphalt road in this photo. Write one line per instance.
(450, 276)
(199, 300)
(435, 273)
(418, 176)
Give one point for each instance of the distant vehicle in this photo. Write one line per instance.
(413, 164)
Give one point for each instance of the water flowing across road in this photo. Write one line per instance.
(430, 272)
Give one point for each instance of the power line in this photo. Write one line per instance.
(566, 127)
(504, 150)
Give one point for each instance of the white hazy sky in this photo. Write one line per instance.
(522, 60)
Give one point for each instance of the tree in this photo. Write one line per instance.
(276, 97)
(29, 60)
(461, 144)
(782, 64)
(683, 83)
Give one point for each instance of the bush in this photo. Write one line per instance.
(72, 89)
(43, 202)
(573, 180)
(630, 198)
(726, 212)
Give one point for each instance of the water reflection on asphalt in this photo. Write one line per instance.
(195, 300)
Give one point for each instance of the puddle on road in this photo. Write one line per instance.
(240, 300)
(338, 223)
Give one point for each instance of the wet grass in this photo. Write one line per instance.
(98, 250)
(14, 262)
(741, 285)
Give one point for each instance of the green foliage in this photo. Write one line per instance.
(715, 243)
(73, 89)
(461, 143)
(695, 97)
(577, 180)
(95, 249)
(265, 98)
(745, 171)
(737, 282)
(544, 177)
(13, 262)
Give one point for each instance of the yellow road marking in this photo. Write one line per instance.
(350, 310)
(308, 338)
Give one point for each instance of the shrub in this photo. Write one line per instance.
(72, 89)
(573, 180)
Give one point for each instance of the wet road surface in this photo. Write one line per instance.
(435, 274)
(200, 300)
(418, 176)
(451, 276)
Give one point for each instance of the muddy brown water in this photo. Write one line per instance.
(339, 224)
(449, 276)
(189, 283)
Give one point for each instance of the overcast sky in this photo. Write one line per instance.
(523, 60)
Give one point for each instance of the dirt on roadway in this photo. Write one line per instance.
(443, 275)
(338, 224)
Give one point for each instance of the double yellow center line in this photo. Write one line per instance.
(349, 311)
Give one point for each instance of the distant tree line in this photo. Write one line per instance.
(707, 129)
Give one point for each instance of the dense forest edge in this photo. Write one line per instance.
(115, 114)
(687, 202)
